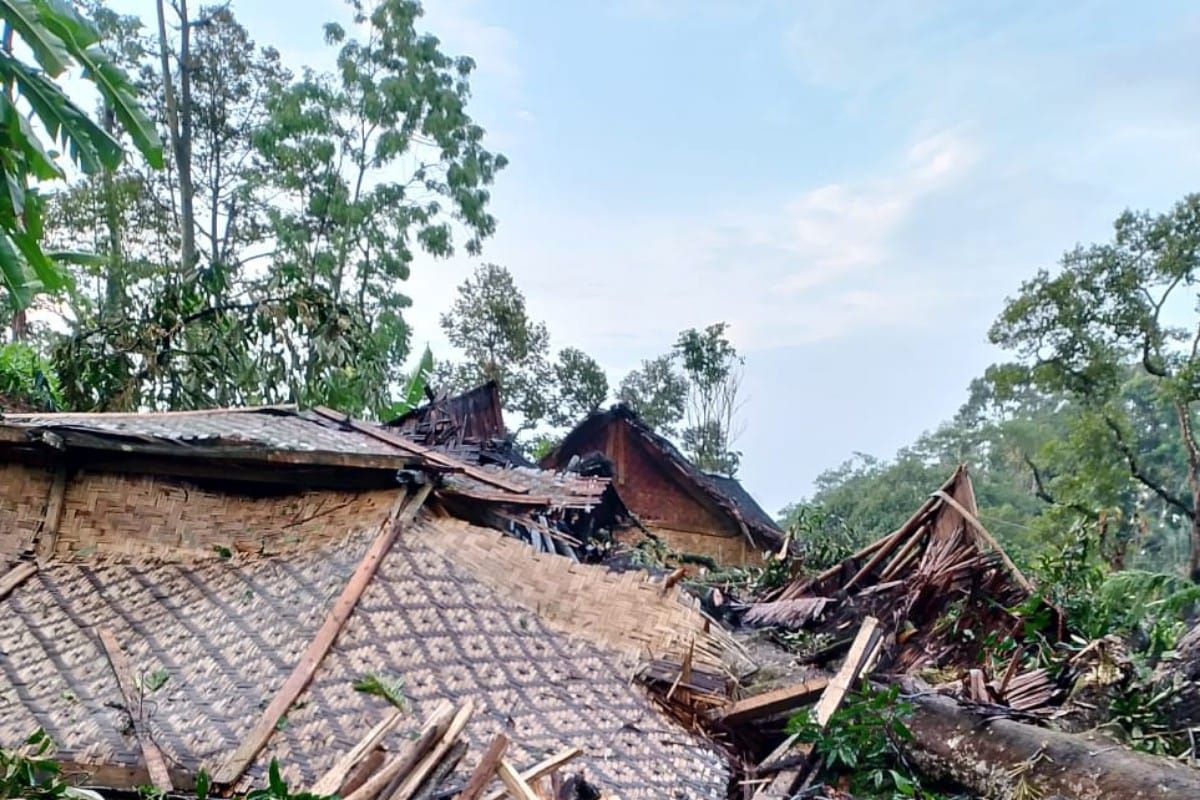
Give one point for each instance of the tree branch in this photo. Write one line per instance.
(1136, 471)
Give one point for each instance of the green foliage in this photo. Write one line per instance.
(414, 390)
(657, 392)
(713, 368)
(862, 742)
(58, 38)
(1114, 314)
(313, 194)
(276, 788)
(580, 386)
(489, 323)
(391, 690)
(28, 379)
(30, 773)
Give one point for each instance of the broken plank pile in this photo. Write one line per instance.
(940, 584)
(421, 769)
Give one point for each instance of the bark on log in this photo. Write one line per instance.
(993, 757)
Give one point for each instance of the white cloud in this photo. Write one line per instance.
(461, 26)
(828, 263)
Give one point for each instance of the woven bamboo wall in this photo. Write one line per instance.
(146, 515)
(726, 550)
(625, 611)
(23, 494)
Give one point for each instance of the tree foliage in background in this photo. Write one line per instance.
(305, 200)
(657, 392)
(58, 38)
(1116, 331)
(488, 322)
(713, 368)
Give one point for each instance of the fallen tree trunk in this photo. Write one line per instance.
(1000, 758)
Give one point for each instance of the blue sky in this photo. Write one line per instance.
(854, 186)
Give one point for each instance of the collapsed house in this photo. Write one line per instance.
(204, 590)
(692, 511)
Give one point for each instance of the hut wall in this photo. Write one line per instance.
(129, 514)
(24, 492)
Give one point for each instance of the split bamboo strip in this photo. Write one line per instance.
(16, 576)
(516, 785)
(426, 765)
(241, 758)
(433, 729)
(991, 541)
(541, 769)
(155, 764)
(329, 782)
(47, 536)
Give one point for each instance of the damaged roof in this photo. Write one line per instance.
(469, 426)
(727, 492)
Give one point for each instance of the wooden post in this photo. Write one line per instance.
(486, 769)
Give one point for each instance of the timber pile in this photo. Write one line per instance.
(421, 769)
(938, 575)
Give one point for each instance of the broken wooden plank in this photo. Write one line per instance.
(427, 764)
(517, 786)
(328, 783)
(155, 764)
(541, 769)
(862, 652)
(432, 785)
(769, 704)
(431, 732)
(16, 576)
(486, 769)
(240, 759)
(47, 536)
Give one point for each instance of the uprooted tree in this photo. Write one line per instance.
(1115, 314)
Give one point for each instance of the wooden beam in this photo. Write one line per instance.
(47, 536)
(426, 765)
(155, 764)
(541, 769)
(428, 453)
(769, 704)
(16, 576)
(486, 769)
(862, 652)
(240, 759)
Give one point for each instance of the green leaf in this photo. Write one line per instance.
(275, 780)
(15, 275)
(88, 144)
(25, 18)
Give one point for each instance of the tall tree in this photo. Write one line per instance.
(489, 323)
(1109, 308)
(580, 384)
(713, 369)
(309, 198)
(657, 392)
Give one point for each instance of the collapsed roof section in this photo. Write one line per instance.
(469, 426)
(939, 584)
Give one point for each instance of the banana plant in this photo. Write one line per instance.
(36, 117)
